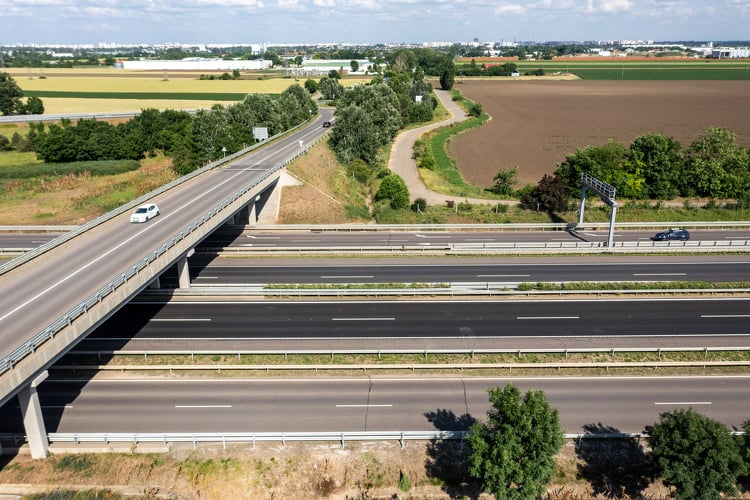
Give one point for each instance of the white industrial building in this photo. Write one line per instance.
(730, 52)
(196, 64)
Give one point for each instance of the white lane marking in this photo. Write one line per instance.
(548, 317)
(187, 320)
(364, 406)
(206, 277)
(363, 319)
(725, 315)
(56, 406)
(202, 406)
(659, 274)
(432, 237)
(344, 276)
(503, 275)
(683, 403)
(123, 243)
(263, 237)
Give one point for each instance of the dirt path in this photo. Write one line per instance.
(402, 163)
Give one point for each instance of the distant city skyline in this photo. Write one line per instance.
(84, 22)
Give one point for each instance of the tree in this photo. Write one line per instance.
(330, 88)
(715, 166)
(513, 453)
(447, 75)
(393, 188)
(549, 195)
(354, 65)
(696, 455)
(662, 164)
(505, 179)
(10, 94)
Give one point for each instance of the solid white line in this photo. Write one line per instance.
(548, 317)
(683, 403)
(725, 315)
(57, 406)
(503, 275)
(364, 406)
(659, 274)
(207, 277)
(343, 276)
(363, 319)
(202, 406)
(187, 320)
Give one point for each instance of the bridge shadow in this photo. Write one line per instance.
(447, 459)
(615, 467)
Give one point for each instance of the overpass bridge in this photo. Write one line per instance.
(54, 296)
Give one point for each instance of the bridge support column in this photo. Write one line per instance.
(183, 272)
(242, 217)
(33, 422)
(156, 284)
(270, 212)
(252, 217)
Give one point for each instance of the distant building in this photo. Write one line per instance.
(730, 52)
(195, 64)
(324, 66)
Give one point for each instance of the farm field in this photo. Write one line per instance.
(536, 123)
(99, 90)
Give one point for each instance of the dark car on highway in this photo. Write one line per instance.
(672, 234)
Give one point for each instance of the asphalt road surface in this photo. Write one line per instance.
(611, 404)
(428, 319)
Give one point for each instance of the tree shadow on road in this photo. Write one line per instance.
(447, 459)
(616, 467)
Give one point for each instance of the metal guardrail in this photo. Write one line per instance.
(422, 352)
(413, 367)
(226, 438)
(540, 226)
(501, 289)
(48, 333)
(496, 248)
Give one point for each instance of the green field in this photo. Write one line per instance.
(200, 96)
(623, 69)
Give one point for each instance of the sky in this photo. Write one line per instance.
(69, 22)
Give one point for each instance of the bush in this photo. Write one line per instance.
(393, 188)
(419, 205)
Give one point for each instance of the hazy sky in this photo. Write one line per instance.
(368, 21)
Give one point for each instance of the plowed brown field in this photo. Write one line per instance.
(536, 123)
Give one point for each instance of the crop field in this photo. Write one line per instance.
(635, 68)
(536, 123)
(92, 90)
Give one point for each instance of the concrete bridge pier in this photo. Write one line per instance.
(33, 422)
(183, 272)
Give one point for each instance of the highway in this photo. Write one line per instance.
(37, 293)
(462, 319)
(250, 238)
(509, 270)
(617, 404)
(265, 239)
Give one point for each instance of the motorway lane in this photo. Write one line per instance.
(304, 239)
(429, 319)
(624, 404)
(374, 271)
(294, 239)
(37, 293)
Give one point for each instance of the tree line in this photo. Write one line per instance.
(512, 453)
(190, 140)
(656, 166)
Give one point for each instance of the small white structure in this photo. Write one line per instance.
(196, 63)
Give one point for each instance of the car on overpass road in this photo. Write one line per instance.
(144, 213)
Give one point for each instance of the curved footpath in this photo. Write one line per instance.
(402, 163)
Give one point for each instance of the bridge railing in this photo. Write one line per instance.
(56, 326)
(78, 230)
